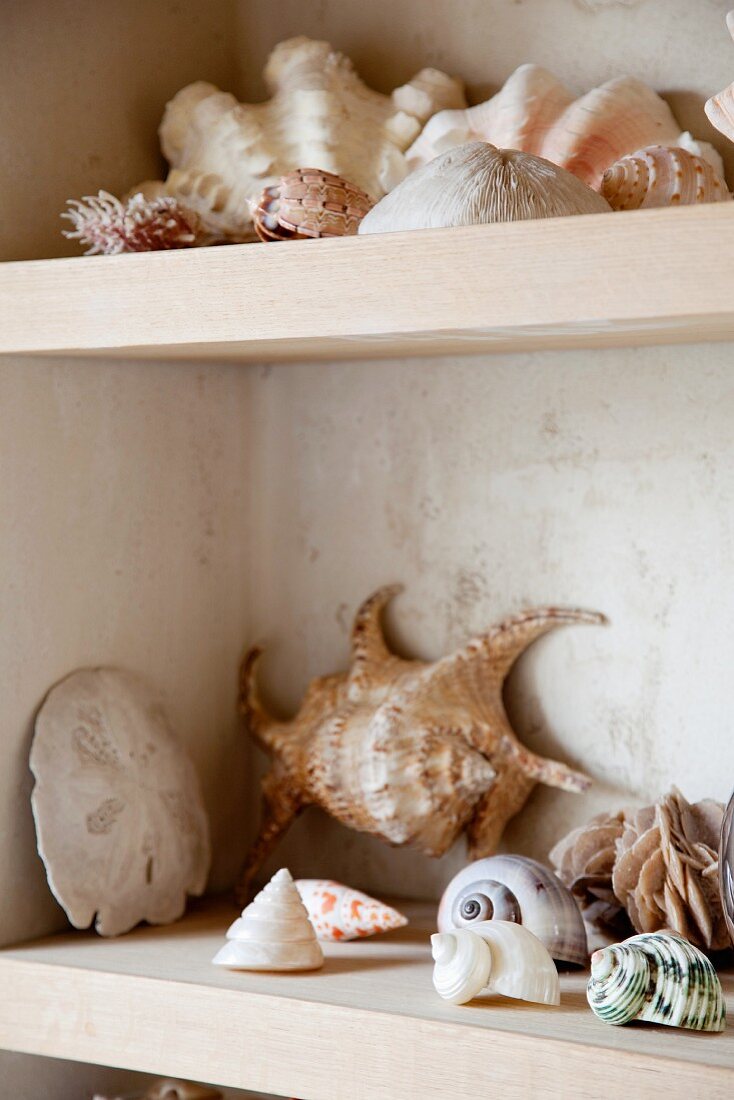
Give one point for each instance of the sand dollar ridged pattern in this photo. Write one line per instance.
(659, 978)
(273, 933)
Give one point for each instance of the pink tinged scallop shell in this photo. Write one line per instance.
(535, 113)
(520, 890)
(662, 176)
(338, 912)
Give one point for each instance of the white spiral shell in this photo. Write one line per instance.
(657, 977)
(495, 957)
(518, 889)
(662, 176)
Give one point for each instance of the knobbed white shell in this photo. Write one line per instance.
(518, 889)
(494, 957)
(662, 176)
(273, 932)
(119, 816)
(321, 115)
(340, 913)
(477, 184)
(657, 977)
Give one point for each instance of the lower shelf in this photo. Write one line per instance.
(367, 1027)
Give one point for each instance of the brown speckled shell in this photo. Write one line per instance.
(310, 203)
(662, 176)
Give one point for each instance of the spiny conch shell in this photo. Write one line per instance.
(661, 176)
(224, 153)
(477, 184)
(494, 957)
(536, 113)
(657, 977)
(108, 227)
(515, 888)
(408, 751)
(720, 108)
(273, 933)
(310, 203)
(338, 912)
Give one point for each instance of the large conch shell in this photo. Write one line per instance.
(518, 889)
(720, 108)
(321, 115)
(409, 751)
(478, 184)
(273, 933)
(494, 957)
(339, 913)
(657, 977)
(536, 113)
(662, 176)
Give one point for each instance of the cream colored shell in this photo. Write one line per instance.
(273, 932)
(536, 113)
(223, 153)
(661, 176)
(720, 108)
(119, 816)
(477, 184)
(493, 957)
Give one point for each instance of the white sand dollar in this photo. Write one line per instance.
(120, 821)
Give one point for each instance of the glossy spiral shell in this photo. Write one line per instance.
(657, 977)
(310, 203)
(518, 889)
(662, 176)
(496, 957)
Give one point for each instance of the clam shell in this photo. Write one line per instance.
(339, 913)
(310, 203)
(496, 957)
(273, 933)
(478, 184)
(662, 176)
(518, 889)
(657, 977)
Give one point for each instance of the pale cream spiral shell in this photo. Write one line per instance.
(662, 176)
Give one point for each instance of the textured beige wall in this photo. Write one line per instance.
(680, 47)
(604, 481)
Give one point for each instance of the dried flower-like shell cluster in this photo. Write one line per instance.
(661, 176)
(584, 860)
(310, 203)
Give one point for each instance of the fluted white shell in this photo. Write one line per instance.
(657, 977)
(493, 957)
(477, 184)
(536, 113)
(339, 913)
(519, 889)
(273, 932)
(720, 108)
(662, 176)
(120, 820)
(321, 115)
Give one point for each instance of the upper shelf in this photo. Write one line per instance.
(369, 1026)
(654, 276)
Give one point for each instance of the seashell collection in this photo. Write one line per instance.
(339, 913)
(409, 751)
(273, 933)
(658, 978)
(521, 890)
(493, 957)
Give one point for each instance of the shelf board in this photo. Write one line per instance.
(369, 1026)
(653, 276)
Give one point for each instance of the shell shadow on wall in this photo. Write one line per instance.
(321, 115)
(409, 751)
(119, 817)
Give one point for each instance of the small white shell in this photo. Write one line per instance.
(497, 957)
(519, 889)
(662, 176)
(273, 932)
(477, 184)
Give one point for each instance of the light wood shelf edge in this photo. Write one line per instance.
(657, 276)
(367, 1027)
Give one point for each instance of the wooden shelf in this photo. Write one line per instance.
(657, 276)
(369, 1026)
